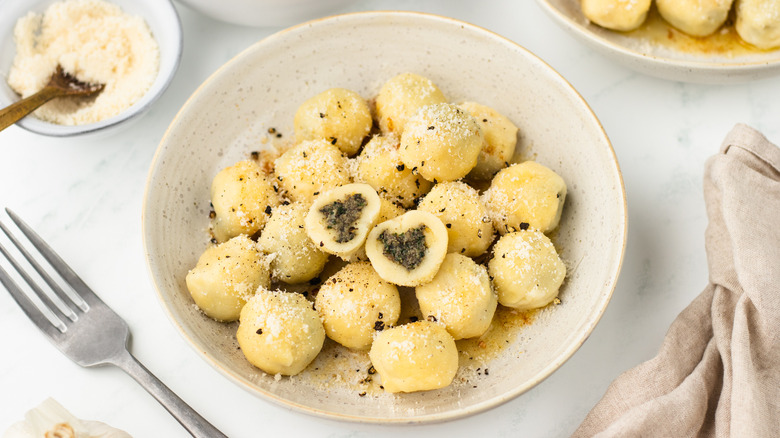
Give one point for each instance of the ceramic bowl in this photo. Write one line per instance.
(266, 12)
(162, 19)
(231, 114)
(656, 58)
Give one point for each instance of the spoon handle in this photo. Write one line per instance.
(14, 112)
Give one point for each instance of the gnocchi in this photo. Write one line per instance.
(355, 303)
(622, 15)
(401, 97)
(525, 195)
(441, 142)
(709, 22)
(460, 297)
(294, 257)
(419, 356)
(310, 168)
(380, 166)
(758, 22)
(458, 206)
(241, 196)
(337, 115)
(409, 249)
(226, 276)
(279, 332)
(695, 17)
(500, 140)
(526, 269)
(340, 219)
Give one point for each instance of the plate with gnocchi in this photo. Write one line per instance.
(408, 234)
(718, 41)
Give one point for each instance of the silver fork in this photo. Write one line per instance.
(84, 328)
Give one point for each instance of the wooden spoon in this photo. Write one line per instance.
(61, 84)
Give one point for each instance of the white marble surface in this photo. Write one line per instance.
(84, 197)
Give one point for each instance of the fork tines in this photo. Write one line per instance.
(56, 305)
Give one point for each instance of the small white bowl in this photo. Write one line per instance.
(266, 12)
(659, 60)
(231, 114)
(162, 19)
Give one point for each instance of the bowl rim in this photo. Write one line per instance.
(563, 356)
(723, 68)
(64, 131)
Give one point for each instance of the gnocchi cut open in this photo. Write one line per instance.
(339, 220)
(409, 249)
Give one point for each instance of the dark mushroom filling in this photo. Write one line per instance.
(407, 249)
(341, 216)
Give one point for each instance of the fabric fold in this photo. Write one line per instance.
(717, 373)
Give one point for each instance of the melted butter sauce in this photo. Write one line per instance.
(724, 42)
(506, 324)
(339, 368)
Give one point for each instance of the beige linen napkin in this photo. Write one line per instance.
(718, 371)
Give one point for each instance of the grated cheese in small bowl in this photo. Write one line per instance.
(132, 47)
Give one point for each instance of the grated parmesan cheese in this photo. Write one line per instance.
(96, 42)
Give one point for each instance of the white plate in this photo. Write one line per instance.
(664, 60)
(231, 113)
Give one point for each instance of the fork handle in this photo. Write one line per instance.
(196, 425)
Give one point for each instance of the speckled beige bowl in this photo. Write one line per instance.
(230, 114)
(661, 60)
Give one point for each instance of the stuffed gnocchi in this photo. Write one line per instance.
(340, 219)
(441, 142)
(500, 140)
(380, 166)
(408, 249)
